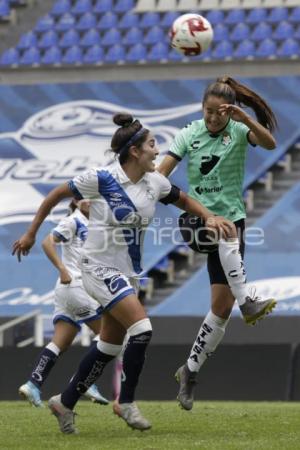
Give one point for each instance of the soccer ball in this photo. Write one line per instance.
(191, 34)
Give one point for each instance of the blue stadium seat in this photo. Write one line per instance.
(52, 55)
(289, 48)
(222, 50)
(277, 15)
(115, 53)
(129, 20)
(149, 19)
(111, 37)
(73, 55)
(215, 16)
(133, 36)
(10, 57)
(136, 53)
(18, 2)
(158, 52)
(284, 30)
(205, 55)
(266, 49)
(220, 32)
(66, 22)
(164, 267)
(48, 39)
(27, 40)
(69, 39)
(93, 55)
(30, 57)
(61, 7)
(235, 16)
(245, 49)
(90, 38)
(262, 31)
(86, 22)
(108, 20)
(122, 6)
(154, 35)
(103, 6)
(168, 18)
(256, 15)
(174, 55)
(295, 15)
(4, 9)
(240, 32)
(82, 7)
(297, 32)
(46, 23)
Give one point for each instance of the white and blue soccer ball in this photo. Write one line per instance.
(191, 34)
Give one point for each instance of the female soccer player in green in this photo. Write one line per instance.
(216, 149)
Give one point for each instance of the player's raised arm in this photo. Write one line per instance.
(23, 245)
(167, 165)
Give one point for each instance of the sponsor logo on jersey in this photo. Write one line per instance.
(212, 190)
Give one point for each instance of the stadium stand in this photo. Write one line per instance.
(125, 23)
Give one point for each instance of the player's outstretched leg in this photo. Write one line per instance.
(30, 392)
(209, 336)
(65, 416)
(251, 306)
(94, 395)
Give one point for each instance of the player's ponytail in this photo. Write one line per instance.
(234, 92)
(131, 132)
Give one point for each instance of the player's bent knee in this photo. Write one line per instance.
(142, 326)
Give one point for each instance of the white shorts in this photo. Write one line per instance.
(108, 290)
(74, 305)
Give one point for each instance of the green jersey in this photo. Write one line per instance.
(216, 165)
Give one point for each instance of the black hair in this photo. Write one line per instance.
(234, 92)
(124, 136)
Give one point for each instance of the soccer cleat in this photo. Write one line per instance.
(255, 309)
(65, 416)
(93, 394)
(132, 415)
(30, 392)
(187, 382)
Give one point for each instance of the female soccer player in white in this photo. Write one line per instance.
(123, 196)
(73, 305)
(216, 148)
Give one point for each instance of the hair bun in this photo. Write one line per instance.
(123, 119)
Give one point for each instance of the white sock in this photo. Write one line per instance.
(53, 348)
(209, 336)
(233, 266)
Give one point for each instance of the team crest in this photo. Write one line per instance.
(226, 139)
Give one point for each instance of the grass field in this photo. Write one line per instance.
(210, 425)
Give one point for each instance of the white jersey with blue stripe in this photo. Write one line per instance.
(72, 232)
(120, 211)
